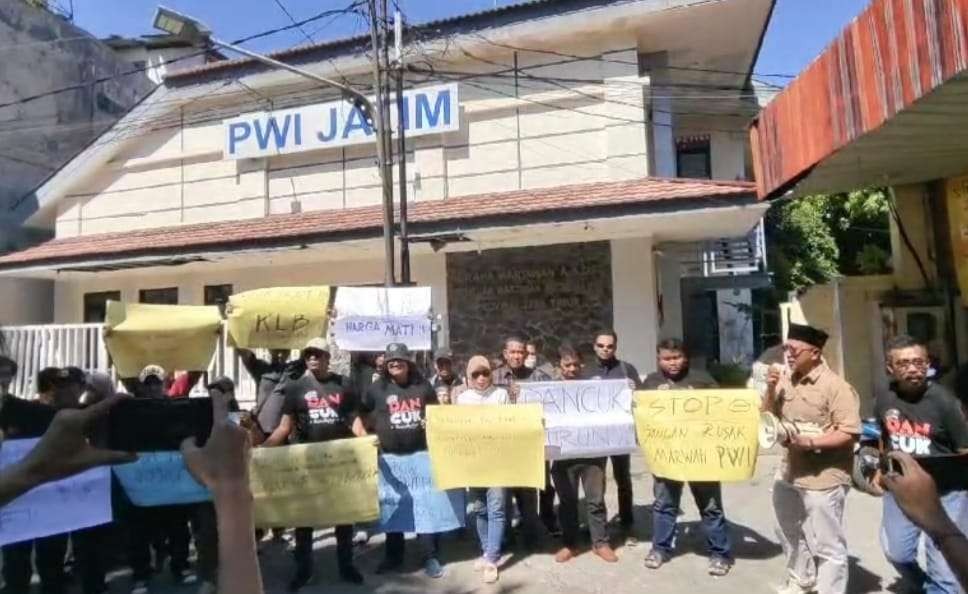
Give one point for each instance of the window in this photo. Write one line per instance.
(167, 296)
(218, 295)
(693, 158)
(96, 305)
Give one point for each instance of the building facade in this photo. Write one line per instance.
(545, 199)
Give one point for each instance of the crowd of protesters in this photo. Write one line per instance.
(304, 401)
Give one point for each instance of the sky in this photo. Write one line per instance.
(798, 31)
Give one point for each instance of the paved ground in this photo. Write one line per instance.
(758, 566)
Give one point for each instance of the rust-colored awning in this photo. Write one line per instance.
(883, 104)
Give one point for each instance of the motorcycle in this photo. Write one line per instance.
(867, 458)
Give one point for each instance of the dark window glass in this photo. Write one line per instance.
(693, 160)
(95, 305)
(218, 295)
(166, 296)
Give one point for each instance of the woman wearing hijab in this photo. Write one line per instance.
(487, 505)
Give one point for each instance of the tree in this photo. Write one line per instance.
(814, 239)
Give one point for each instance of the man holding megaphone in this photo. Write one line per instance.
(815, 477)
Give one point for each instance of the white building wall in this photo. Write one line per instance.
(26, 301)
(633, 301)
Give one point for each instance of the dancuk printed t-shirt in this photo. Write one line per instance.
(322, 410)
(932, 425)
(398, 413)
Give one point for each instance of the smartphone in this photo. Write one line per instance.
(151, 425)
(22, 419)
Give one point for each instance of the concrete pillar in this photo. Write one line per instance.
(431, 270)
(627, 154)
(670, 288)
(634, 301)
(912, 209)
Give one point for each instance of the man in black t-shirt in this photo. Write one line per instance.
(608, 366)
(395, 407)
(267, 375)
(319, 406)
(920, 418)
(675, 374)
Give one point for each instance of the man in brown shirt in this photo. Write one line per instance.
(815, 477)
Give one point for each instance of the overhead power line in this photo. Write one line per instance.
(351, 8)
(282, 7)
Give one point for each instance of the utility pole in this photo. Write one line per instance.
(401, 147)
(382, 118)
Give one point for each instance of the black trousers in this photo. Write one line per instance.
(527, 503)
(91, 556)
(304, 549)
(205, 530)
(163, 527)
(621, 471)
(18, 567)
(396, 546)
(546, 501)
(590, 473)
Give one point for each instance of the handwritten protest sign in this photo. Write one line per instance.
(584, 419)
(278, 317)
(159, 478)
(486, 445)
(370, 333)
(409, 501)
(173, 336)
(316, 484)
(369, 318)
(81, 501)
(699, 435)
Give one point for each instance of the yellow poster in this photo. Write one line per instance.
(486, 446)
(278, 317)
(699, 435)
(176, 337)
(315, 484)
(956, 189)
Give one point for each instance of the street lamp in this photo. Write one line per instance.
(196, 33)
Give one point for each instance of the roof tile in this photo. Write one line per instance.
(316, 224)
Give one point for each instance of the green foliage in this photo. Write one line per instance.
(729, 375)
(814, 239)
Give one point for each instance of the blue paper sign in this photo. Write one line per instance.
(409, 502)
(58, 507)
(160, 478)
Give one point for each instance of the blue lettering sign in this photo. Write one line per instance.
(442, 105)
(331, 134)
(272, 129)
(351, 123)
(238, 132)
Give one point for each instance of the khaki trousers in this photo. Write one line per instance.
(812, 527)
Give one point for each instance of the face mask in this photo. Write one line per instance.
(530, 361)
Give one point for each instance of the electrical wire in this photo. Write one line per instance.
(103, 79)
(293, 20)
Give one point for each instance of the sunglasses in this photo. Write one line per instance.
(480, 373)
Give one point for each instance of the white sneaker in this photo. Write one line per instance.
(139, 587)
(793, 587)
(489, 574)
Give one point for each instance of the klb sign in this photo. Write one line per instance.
(428, 110)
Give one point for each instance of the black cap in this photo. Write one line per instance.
(808, 334)
(222, 383)
(443, 353)
(72, 375)
(397, 351)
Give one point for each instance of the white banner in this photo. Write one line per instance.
(584, 419)
(382, 301)
(374, 333)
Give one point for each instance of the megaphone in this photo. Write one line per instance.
(774, 430)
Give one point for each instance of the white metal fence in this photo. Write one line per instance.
(82, 345)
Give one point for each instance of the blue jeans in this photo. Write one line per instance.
(900, 538)
(709, 500)
(487, 505)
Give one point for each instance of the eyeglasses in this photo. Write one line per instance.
(905, 363)
(795, 352)
(480, 373)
